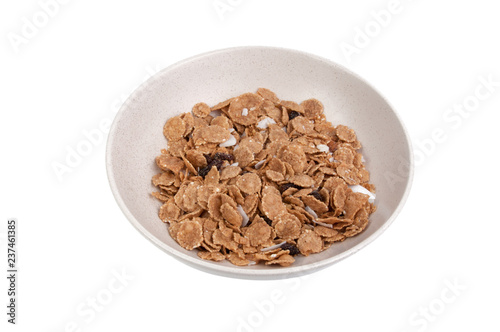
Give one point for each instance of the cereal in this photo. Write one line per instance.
(190, 234)
(255, 179)
(201, 110)
(249, 183)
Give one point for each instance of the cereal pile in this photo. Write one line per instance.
(258, 179)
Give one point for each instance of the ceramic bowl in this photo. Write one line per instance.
(136, 138)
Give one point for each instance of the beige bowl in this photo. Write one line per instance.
(136, 138)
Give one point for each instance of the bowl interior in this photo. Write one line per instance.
(136, 138)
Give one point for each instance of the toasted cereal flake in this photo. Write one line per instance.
(201, 110)
(169, 211)
(294, 155)
(272, 205)
(237, 260)
(212, 256)
(276, 246)
(223, 240)
(174, 128)
(215, 202)
(313, 109)
(230, 172)
(249, 183)
(164, 179)
(283, 260)
(274, 176)
(317, 205)
(190, 233)
(344, 155)
(235, 194)
(268, 94)
(215, 134)
(252, 143)
(250, 204)
(292, 106)
(258, 232)
(231, 214)
(325, 231)
(288, 227)
(345, 133)
(349, 173)
(160, 196)
(167, 163)
(243, 156)
(302, 180)
(249, 101)
(339, 197)
(213, 176)
(353, 203)
(221, 105)
(309, 242)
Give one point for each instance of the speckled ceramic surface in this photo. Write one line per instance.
(136, 139)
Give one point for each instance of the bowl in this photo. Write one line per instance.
(136, 138)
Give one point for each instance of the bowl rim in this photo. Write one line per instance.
(235, 271)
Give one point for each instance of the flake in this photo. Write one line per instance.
(251, 102)
(258, 232)
(284, 260)
(174, 128)
(301, 180)
(230, 172)
(346, 134)
(291, 105)
(231, 214)
(253, 144)
(235, 194)
(169, 211)
(223, 240)
(288, 227)
(272, 205)
(190, 233)
(236, 260)
(309, 242)
(211, 256)
(313, 109)
(353, 203)
(315, 204)
(301, 125)
(215, 134)
(164, 179)
(274, 176)
(243, 156)
(167, 163)
(215, 202)
(294, 155)
(268, 94)
(349, 173)
(249, 183)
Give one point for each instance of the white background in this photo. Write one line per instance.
(73, 73)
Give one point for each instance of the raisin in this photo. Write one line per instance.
(223, 156)
(286, 186)
(316, 195)
(293, 249)
(214, 162)
(293, 115)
